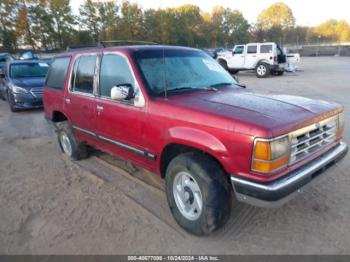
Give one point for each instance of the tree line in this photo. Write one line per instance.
(51, 25)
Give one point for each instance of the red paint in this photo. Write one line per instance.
(223, 124)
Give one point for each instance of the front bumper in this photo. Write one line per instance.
(27, 101)
(280, 191)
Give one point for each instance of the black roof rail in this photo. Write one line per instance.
(77, 47)
(110, 43)
(124, 42)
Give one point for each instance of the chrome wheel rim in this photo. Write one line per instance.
(261, 70)
(65, 143)
(188, 196)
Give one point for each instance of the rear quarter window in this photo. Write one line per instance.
(57, 73)
(265, 49)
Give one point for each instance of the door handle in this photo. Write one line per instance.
(68, 101)
(99, 108)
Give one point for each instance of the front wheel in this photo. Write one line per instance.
(262, 70)
(223, 63)
(198, 193)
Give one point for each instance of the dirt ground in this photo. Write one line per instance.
(50, 205)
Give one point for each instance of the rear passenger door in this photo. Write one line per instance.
(251, 56)
(80, 100)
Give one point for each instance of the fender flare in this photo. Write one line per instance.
(195, 138)
(262, 61)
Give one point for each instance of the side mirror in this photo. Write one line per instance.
(122, 92)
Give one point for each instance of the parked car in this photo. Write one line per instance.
(21, 83)
(213, 52)
(176, 112)
(263, 58)
(5, 57)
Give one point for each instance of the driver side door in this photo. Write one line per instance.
(238, 57)
(120, 122)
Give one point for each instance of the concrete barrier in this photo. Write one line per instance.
(322, 50)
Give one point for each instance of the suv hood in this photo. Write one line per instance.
(29, 82)
(277, 113)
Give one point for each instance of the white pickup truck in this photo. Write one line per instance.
(263, 58)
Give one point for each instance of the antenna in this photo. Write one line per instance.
(165, 80)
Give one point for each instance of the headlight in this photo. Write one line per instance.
(341, 124)
(341, 121)
(270, 154)
(17, 89)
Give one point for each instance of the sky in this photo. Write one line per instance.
(306, 12)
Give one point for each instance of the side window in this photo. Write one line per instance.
(265, 49)
(57, 72)
(252, 49)
(84, 74)
(239, 50)
(114, 71)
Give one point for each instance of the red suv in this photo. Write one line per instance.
(176, 112)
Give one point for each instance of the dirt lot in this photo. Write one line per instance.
(50, 205)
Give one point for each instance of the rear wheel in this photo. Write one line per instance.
(198, 194)
(262, 70)
(68, 144)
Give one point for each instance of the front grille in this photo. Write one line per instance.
(37, 91)
(309, 140)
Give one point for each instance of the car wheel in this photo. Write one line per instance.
(232, 71)
(11, 102)
(280, 73)
(262, 70)
(68, 143)
(223, 63)
(198, 193)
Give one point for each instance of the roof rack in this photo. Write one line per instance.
(111, 43)
(124, 42)
(70, 48)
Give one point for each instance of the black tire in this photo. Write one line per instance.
(77, 150)
(279, 73)
(223, 63)
(11, 102)
(233, 71)
(215, 192)
(262, 70)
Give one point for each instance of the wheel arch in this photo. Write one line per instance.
(265, 61)
(58, 116)
(183, 140)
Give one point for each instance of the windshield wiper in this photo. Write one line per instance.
(222, 84)
(177, 89)
(185, 89)
(228, 84)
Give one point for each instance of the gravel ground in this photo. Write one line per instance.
(50, 205)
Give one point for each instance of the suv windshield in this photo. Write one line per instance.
(29, 70)
(180, 70)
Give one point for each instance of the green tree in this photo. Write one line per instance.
(229, 27)
(8, 14)
(277, 15)
(131, 22)
(62, 21)
(23, 28)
